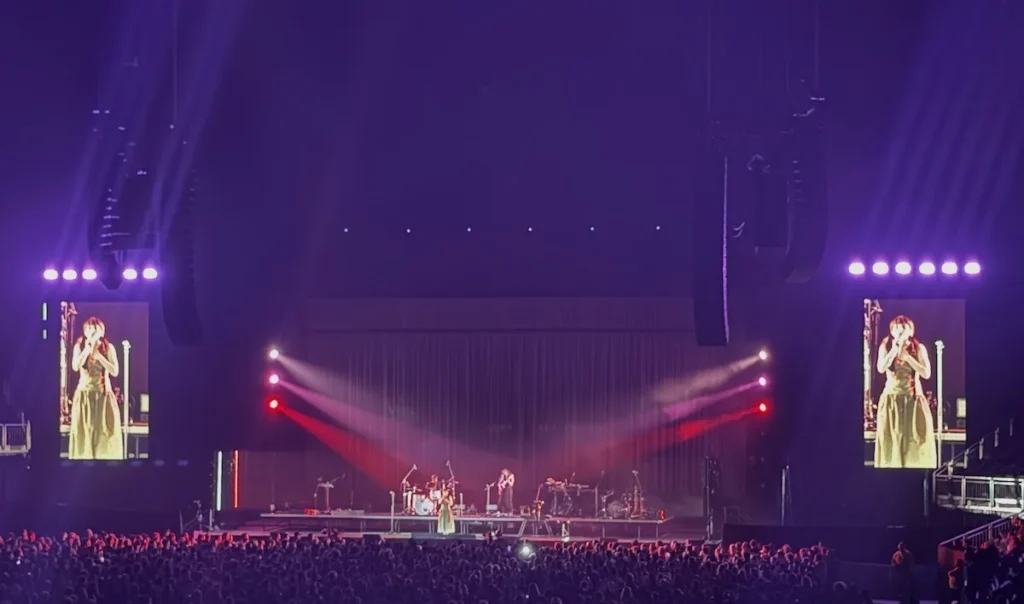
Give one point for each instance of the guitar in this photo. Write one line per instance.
(506, 482)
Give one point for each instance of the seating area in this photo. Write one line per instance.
(985, 478)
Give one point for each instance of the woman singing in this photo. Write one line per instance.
(906, 434)
(445, 516)
(95, 423)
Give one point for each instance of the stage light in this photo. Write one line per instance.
(972, 268)
(926, 268)
(856, 268)
(51, 274)
(149, 273)
(949, 268)
(69, 274)
(763, 355)
(763, 408)
(273, 354)
(880, 268)
(89, 274)
(762, 381)
(274, 379)
(903, 268)
(130, 274)
(525, 551)
(274, 404)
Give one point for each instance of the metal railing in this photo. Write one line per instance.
(975, 453)
(981, 494)
(983, 534)
(15, 439)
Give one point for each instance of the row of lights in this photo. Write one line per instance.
(69, 274)
(903, 267)
(273, 403)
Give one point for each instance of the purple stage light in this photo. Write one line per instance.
(69, 274)
(51, 274)
(903, 268)
(926, 268)
(89, 274)
(972, 268)
(149, 273)
(949, 268)
(880, 268)
(856, 268)
(130, 274)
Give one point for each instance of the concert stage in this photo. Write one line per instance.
(477, 525)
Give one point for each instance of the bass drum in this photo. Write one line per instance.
(424, 507)
(617, 509)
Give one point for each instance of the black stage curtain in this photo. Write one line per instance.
(544, 387)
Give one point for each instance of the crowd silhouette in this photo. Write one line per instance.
(292, 569)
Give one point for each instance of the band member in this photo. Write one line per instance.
(506, 485)
(434, 488)
(95, 421)
(905, 434)
(445, 515)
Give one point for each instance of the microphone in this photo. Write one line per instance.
(635, 472)
(414, 467)
(448, 463)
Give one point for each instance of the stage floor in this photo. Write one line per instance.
(473, 526)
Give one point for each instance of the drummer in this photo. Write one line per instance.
(433, 487)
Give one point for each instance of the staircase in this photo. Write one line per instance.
(977, 537)
(986, 478)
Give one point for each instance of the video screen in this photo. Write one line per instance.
(104, 380)
(915, 404)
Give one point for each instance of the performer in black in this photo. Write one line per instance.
(506, 484)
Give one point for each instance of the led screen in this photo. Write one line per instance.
(104, 380)
(915, 404)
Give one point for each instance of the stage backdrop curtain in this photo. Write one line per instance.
(546, 387)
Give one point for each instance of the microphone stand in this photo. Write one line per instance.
(405, 489)
(597, 496)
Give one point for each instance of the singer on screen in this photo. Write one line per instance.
(95, 423)
(906, 432)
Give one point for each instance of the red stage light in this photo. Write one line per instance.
(763, 408)
(274, 403)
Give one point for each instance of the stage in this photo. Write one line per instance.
(475, 526)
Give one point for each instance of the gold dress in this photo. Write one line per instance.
(905, 436)
(95, 422)
(445, 515)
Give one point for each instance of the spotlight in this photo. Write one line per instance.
(972, 268)
(273, 354)
(130, 274)
(762, 381)
(856, 268)
(763, 355)
(149, 273)
(903, 268)
(274, 379)
(763, 408)
(880, 268)
(69, 274)
(274, 404)
(89, 274)
(949, 268)
(926, 268)
(51, 274)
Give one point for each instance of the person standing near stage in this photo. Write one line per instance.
(905, 436)
(506, 486)
(445, 514)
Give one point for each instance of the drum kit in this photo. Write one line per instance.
(424, 499)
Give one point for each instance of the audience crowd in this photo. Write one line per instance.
(993, 572)
(165, 568)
